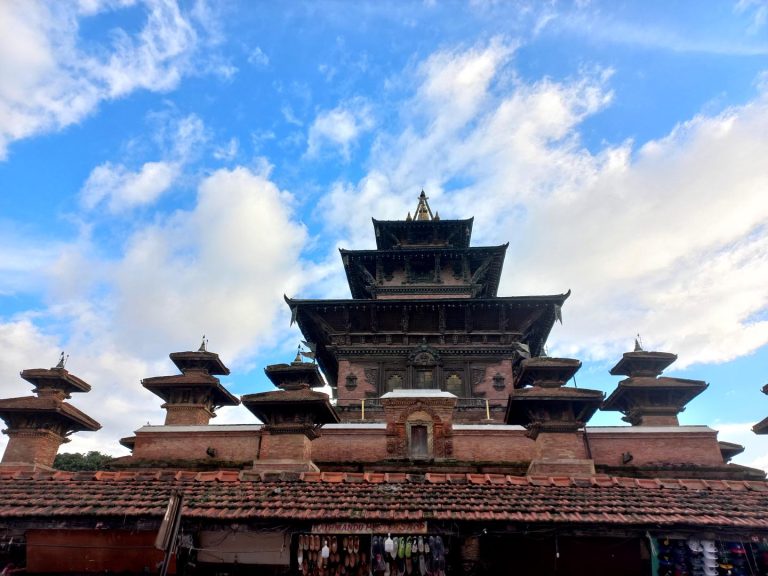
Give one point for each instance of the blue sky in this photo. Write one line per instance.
(171, 170)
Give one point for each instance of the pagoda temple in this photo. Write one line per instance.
(451, 444)
(39, 425)
(424, 315)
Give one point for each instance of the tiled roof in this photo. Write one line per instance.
(382, 497)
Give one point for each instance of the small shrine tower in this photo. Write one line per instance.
(292, 417)
(39, 425)
(553, 415)
(646, 398)
(192, 397)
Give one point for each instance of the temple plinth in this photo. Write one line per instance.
(192, 397)
(553, 415)
(292, 417)
(39, 425)
(646, 398)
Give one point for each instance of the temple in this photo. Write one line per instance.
(451, 443)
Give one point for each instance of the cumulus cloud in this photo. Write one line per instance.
(219, 268)
(667, 239)
(58, 80)
(339, 128)
(122, 189)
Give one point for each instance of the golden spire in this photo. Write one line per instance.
(423, 211)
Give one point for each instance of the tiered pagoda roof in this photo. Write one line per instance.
(646, 397)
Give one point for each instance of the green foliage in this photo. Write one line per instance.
(76, 461)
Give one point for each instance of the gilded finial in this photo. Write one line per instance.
(203, 345)
(62, 360)
(638, 344)
(423, 211)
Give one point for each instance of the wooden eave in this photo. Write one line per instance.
(389, 231)
(209, 361)
(58, 378)
(36, 406)
(303, 402)
(491, 281)
(679, 391)
(761, 427)
(520, 404)
(309, 316)
(163, 385)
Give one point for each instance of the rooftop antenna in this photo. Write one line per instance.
(203, 345)
(638, 343)
(62, 360)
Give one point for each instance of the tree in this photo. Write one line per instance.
(93, 460)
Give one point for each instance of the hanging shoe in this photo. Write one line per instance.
(408, 547)
(401, 547)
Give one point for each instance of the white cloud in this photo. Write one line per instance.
(668, 239)
(755, 452)
(58, 81)
(339, 128)
(123, 190)
(220, 269)
(227, 151)
(258, 58)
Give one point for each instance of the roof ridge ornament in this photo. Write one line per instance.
(423, 211)
(203, 345)
(62, 360)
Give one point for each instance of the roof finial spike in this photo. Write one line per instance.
(408, 218)
(203, 345)
(638, 343)
(298, 354)
(423, 211)
(62, 360)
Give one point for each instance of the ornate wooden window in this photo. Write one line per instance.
(393, 382)
(454, 385)
(423, 379)
(419, 441)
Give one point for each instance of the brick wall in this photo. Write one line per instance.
(353, 444)
(560, 446)
(186, 415)
(32, 446)
(485, 387)
(231, 445)
(680, 447)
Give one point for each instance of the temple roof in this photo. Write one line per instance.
(485, 264)
(48, 407)
(424, 229)
(163, 385)
(306, 405)
(227, 496)
(200, 359)
(293, 375)
(529, 319)
(525, 404)
(55, 378)
(675, 391)
(643, 363)
(761, 427)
